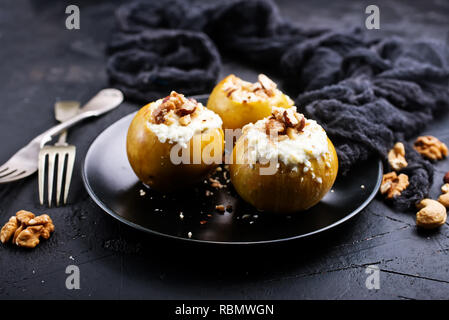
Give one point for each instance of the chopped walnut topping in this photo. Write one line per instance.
(268, 85)
(185, 110)
(289, 118)
(278, 114)
(282, 120)
(26, 229)
(431, 148)
(246, 91)
(274, 127)
(173, 104)
(302, 121)
(291, 133)
(396, 157)
(160, 112)
(185, 120)
(170, 118)
(392, 184)
(230, 91)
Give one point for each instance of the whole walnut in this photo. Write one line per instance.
(430, 147)
(25, 229)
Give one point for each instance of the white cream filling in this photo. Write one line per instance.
(177, 133)
(311, 143)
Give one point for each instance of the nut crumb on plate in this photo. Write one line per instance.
(215, 183)
(220, 208)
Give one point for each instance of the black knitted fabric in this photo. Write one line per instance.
(367, 94)
(149, 64)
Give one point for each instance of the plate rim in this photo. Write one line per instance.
(111, 212)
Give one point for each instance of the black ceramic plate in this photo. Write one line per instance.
(113, 185)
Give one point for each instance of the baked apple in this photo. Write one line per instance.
(283, 163)
(174, 142)
(240, 102)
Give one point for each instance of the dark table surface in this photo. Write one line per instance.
(42, 62)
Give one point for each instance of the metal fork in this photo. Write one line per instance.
(25, 161)
(50, 155)
(21, 165)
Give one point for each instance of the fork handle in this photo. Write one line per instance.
(50, 133)
(62, 138)
(104, 101)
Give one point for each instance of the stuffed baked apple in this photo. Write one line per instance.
(283, 163)
(240, 102)
(174, 142)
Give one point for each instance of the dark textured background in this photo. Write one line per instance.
(43, 62)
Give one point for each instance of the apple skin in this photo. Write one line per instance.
(236, 114)
(150, 159)
(283, 192)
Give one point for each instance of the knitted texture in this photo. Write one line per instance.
(367, 94)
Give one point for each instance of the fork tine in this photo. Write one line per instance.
(7, 173)
(51, 171)
(70, 163)
(60, 172)
(6, 178)
(3, 168)
(41, 175)
(15, 176)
